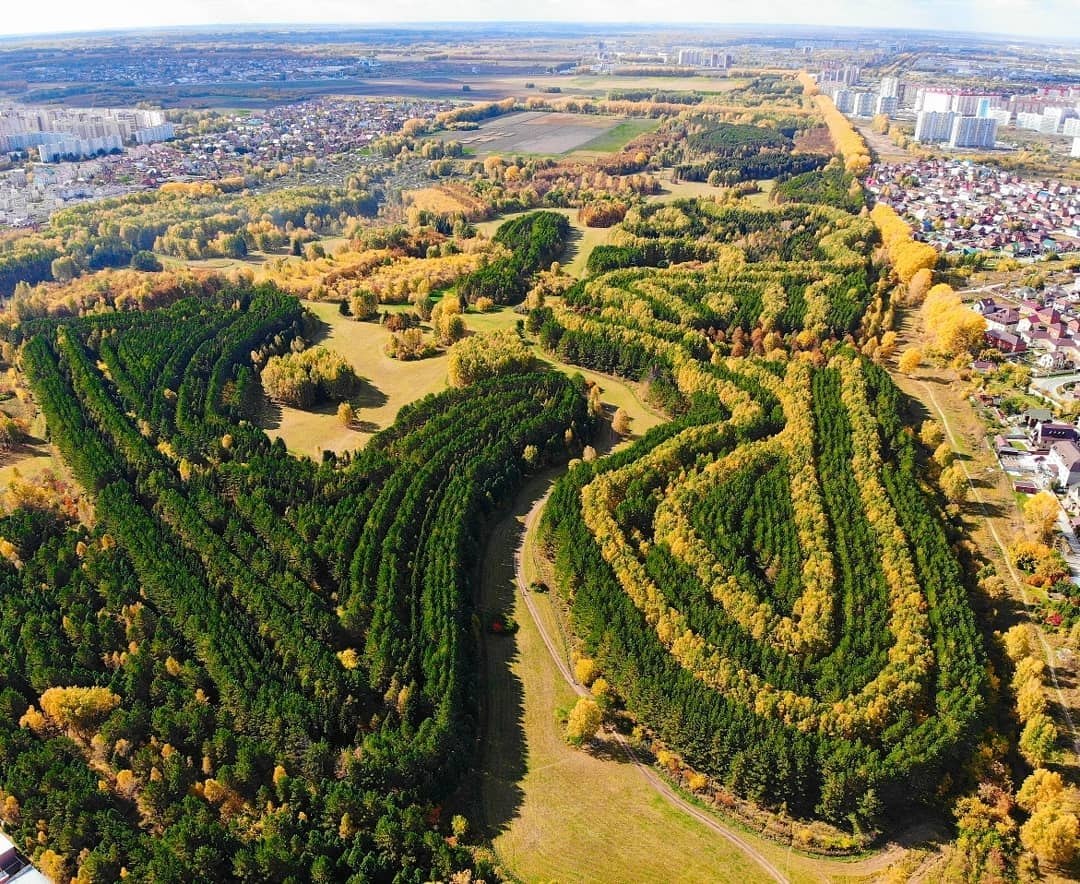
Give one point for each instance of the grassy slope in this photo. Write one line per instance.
(389, 385)
(560, 814)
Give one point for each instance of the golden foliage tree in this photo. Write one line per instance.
(1051, 835)
(78, 708)
(585, 720)
(620, 422)
(481, 356)
(1038, 739)
(931, 434)
(910, 360)
(1041, 511)
(954, 483)
(1041, 789)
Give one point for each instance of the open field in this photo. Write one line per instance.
(618, 137)
(599, 85)
(557, 813)
(535, 132)
(388, 385)
(27, 462)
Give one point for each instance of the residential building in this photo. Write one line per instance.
(932, 126)
(973, 132)
(933, 101)
(15, 868)
(1064, 459)
(864, 104)
(844, 99)
(1005, 342)
(1028, 120)
(847, 75)
(1003, 116)
(1075, 152)
(889, 87)
(1048, 433)
(886, 104)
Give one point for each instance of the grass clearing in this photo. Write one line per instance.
(388, 385)
(28, 463)
(618, 137)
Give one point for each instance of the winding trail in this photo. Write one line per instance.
(653, 779)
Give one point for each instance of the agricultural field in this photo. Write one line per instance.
(538, 133)
(618, 137)
(599, 85)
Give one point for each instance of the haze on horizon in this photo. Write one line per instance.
(1023, 18)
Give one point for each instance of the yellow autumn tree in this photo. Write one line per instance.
(1042, 789)
(1038, 739)
(910, 360)
(919, 285)
(585, 670)
(954, 483)
(1051, 835)
(585, 720)
(78, 708)
(1041, 511)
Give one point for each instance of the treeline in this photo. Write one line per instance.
(727, 153)
(740, 708)
(535, 241)
(831, 186)
(26, 260)
(289, 643)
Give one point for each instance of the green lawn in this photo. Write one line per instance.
(618, 137)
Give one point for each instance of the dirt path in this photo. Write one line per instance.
(830, 869)
(976, 495)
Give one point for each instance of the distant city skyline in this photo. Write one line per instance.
(1059, 19)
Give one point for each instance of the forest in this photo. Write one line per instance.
(763, 580)
(245, 665)
(233, 675)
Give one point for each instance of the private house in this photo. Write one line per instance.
(1064, 459)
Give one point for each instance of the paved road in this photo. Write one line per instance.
(1050, 386)
(654, 780)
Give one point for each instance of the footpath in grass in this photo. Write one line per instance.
(558, 813)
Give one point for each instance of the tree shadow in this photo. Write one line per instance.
(573, 245)
(985, 509)
(319, 330)
(610, 749)
(269, 414)
(497, 794)
(367, 395)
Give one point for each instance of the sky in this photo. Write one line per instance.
(1052, 18)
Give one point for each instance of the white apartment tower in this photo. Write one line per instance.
(973, 132)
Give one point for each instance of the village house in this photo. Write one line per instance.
(1064, 458)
